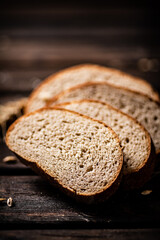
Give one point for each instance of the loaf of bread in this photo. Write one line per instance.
(135, 141)
(80, 155)
(72, 76)
(139, 106)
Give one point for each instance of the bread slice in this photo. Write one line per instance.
(72, 76)
(139, 106)
(135, 140)
(81, 155)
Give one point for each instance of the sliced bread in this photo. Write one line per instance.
(135, 140)
(139, 106)
(81, 155)
(72, 76)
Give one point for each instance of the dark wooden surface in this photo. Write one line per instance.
(37, 203)
(39, 39)
(111, 234)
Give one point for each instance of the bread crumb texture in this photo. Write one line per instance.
(82, 154)
(145, 110)
(134, 139)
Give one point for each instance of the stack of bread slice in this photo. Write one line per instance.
(73, 76)
(88, 128)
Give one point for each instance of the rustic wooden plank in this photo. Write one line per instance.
(37, 203)
(115, 59)
(83, 32)
(103, 45)
(24, 63)
(72, 47)
(106, 36)
(78, 15)
(21, 80)
(54, 50)
(74, 10)
(70, 3)
(88, 16)
(74, 234)
(6, 96)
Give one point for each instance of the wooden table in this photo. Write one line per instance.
(37, 40)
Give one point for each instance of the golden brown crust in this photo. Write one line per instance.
(105, 193)
(52, 77)
(55, 98)
(143, 172)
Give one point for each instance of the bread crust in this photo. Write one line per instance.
(54, 99)
(138, 178)
(54, 76)
(100, 196)
(143, 173)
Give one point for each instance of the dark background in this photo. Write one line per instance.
(39, 38)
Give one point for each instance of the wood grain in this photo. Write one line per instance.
(74, 15)
(36, 202)
(74, 234)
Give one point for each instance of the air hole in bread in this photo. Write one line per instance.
(40, 120)
(78, 134)
(82, 189)
(61, 138)
(143, 137)
(64, 121)
(84, 150)
(156, 130)
(146, 120)
(122, 105)
(90, 168)
(155, 118)
(127, 140)
(131, 112)
(105, 183)
(23, 137)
